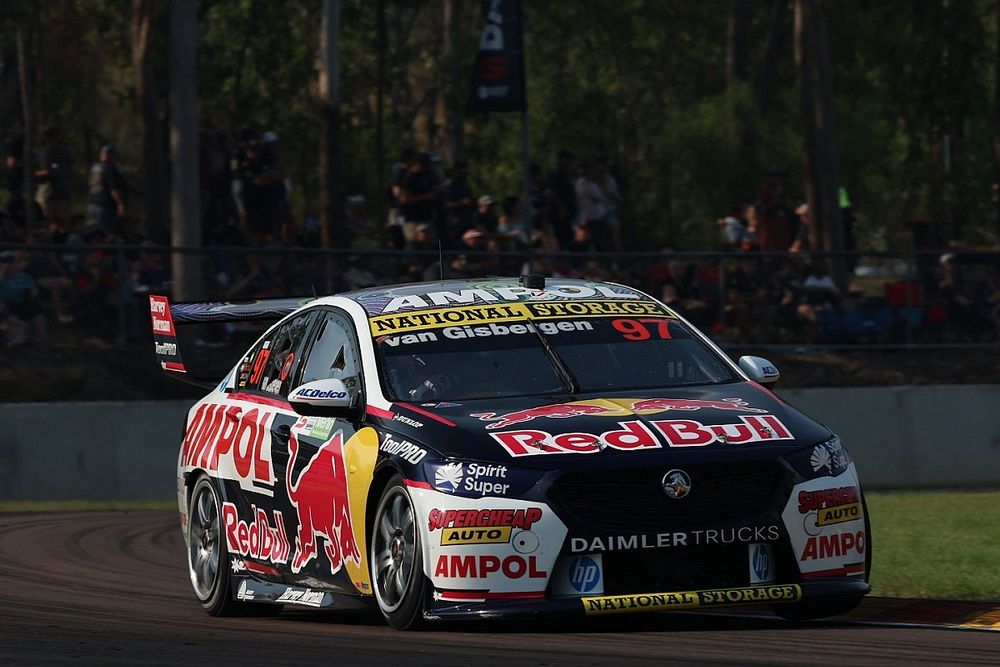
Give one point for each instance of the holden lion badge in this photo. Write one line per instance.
(676, 483)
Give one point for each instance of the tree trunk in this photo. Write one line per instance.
(828, 159)
(154, 161)
(769, 57)
(737, 60)
(453, 86)
(996, 130)
(380, 166)
(804, 85)
(185, 216)
(28, 154)
(329, 153)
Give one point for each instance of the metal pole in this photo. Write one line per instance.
(527, 211)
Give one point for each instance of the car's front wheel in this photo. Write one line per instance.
(208, 557)
(396, 559)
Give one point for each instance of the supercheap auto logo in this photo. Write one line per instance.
(831, 506)
(486, 526)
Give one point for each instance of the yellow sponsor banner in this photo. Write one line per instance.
(446, 317)
(838, 514)
(550, 310)
(491, 535)
(437, 318)
(639, 602)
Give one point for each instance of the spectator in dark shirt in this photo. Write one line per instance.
(107, 191)
(19, 292)
(417, 197)
(54, 176)
(263, 191)
(460, 204)
(562, 199)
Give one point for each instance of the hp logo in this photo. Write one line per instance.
(762, 564)
(584, 574)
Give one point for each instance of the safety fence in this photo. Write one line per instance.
(71, 294)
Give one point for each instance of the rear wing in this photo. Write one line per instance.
(165, 316)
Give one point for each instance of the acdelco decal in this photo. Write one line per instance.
(636, 435)
(485, 518)
(482, 566)
(232, 443)
(623, 604)
(257, 539)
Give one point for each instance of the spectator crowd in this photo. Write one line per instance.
(94, 264)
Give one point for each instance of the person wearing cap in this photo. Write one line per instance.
(107, 190)
(486, 217)
(562, 207)
(55, 177)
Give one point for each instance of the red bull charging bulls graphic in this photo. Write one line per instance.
(638, 406)
(321, 504)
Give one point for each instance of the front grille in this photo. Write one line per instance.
(688, 568)
(633, 500)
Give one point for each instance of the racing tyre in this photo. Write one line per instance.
(396, 559)
(208, 557)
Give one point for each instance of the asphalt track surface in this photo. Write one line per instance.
(112, 588)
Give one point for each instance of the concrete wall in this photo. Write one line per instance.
(900, 437)
(913, 436)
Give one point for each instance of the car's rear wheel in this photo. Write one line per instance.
(396, 559)
(208, 557)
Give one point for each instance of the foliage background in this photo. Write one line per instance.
(642, 80)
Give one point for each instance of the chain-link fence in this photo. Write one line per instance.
(75, 295)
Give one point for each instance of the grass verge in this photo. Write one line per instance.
(935, 544)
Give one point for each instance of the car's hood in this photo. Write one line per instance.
(616, 428)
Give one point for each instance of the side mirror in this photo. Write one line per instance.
(324, 398)
(759, 369)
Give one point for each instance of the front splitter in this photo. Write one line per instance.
(647, 602)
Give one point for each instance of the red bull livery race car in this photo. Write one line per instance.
(505, 448)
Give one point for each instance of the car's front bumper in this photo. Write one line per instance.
(654, 601)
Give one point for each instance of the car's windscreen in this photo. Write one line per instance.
(508, 358)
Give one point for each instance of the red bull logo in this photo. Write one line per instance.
(616, 408)
(689, 404)
(556, 411)
(320, 499)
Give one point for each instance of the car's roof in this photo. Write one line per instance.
(438, 293)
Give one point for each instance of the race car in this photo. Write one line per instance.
(504, 448)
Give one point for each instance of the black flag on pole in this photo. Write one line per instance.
(498, 80)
